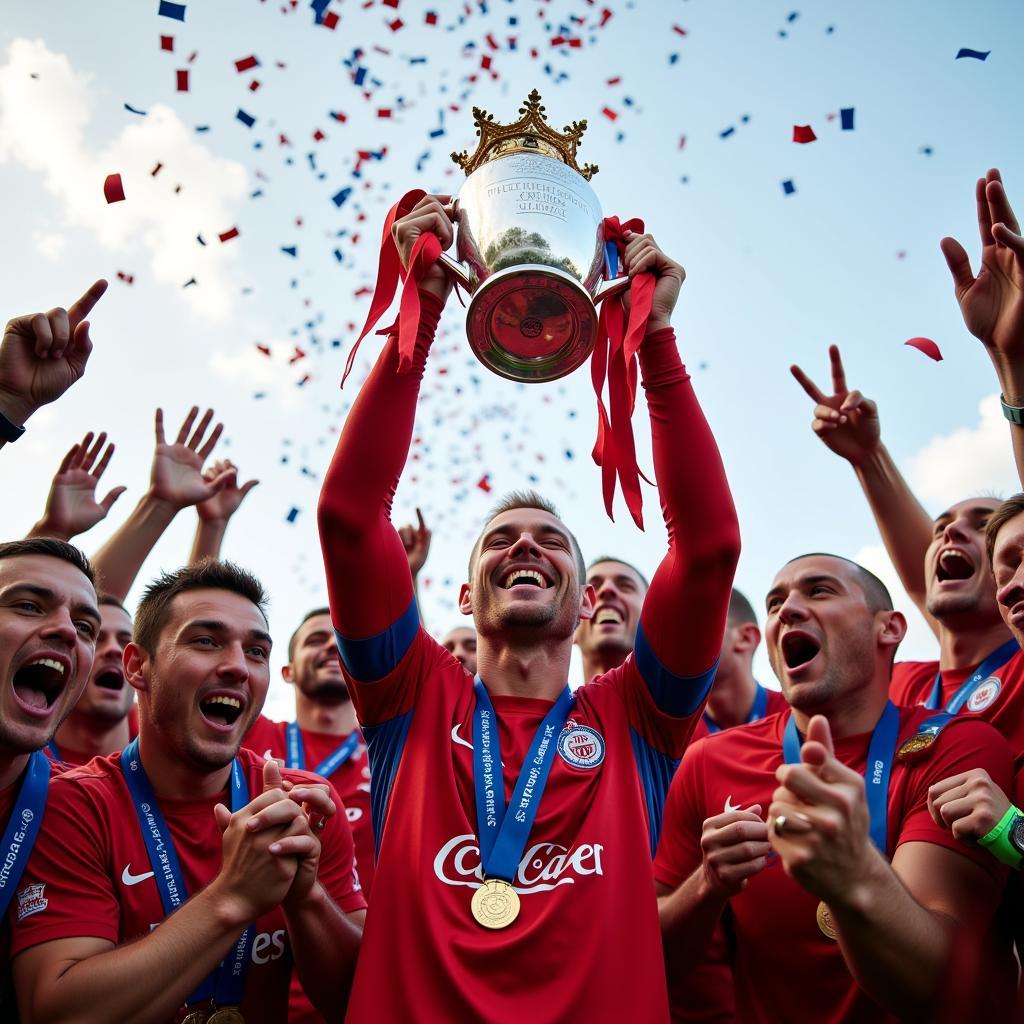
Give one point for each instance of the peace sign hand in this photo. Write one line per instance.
(846, 421)
(43, 354)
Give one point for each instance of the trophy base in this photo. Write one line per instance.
(531, 323)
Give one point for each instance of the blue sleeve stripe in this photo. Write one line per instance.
(376, 656)
(656, 770)
(385, 744)
(678, 696)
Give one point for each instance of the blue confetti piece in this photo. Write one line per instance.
(339, 197)
(338, 255)
(846, 119)
(319, 7)
(290, 250)
(513, 20)
(974, 54)
(202, 128)
(134, 110)
(437, 133)
(788, 187)
(725, 133)
(292, 515)
(247, 119)
(417, 60)
(792, 16)
(673, 58)
(169, 10)
(360, 76)
(256, 194)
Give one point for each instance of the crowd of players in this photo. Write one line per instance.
(448, 831)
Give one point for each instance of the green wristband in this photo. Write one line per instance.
(997, 842)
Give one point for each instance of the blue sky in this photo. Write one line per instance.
(772, 278)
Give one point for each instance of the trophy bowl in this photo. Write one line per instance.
(530, 247)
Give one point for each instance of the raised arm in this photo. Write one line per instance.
(41, 356)
(416, 541)
(358, 539)
(992, 303)
(176, 481)
(694, 581)
(847, 423)
(71, 505)
(214, 514)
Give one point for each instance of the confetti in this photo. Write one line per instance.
(247, 119)
(788, 187)
(113, 190)
(974, 55)
(292, 515)
(167, 43)
(169, 10)
(134, 110)
(803, 133)
(127, 278)
(182, 80)
(927, 346)
(228, 235)
(484, 483)
(846, 119)
(245, 63)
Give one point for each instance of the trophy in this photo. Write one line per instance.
(530, 247)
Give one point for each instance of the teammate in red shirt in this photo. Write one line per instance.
(848, 856)
(436, 739)
(132, 837)
(460, 643)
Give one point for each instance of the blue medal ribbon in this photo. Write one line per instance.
(226, 984)
(502, 835)
(23, 826)
(757, 710)
(999, 657)
(877, 769)
(53, 750)
(296, 752)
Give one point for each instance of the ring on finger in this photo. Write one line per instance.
(779, 825)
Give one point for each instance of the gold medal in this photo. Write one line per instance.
(495, 904)
(824, 915)
(226, 1015)
(914, 745)
(197, 1017)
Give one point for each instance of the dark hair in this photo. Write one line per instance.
(1008, 510)
(109, 599)
(209, 574)
(875, 591)
(741, 610)
(621, 561)
(527, 499)
(51, 547)
(309, 615)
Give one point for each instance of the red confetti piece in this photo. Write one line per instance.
(245, 63)
(492, 42)
(927, 346)
(167, 43)
(228, 235)
(156, 170)
(339, 116)
(484, 483)
(485, 62)
(431, 18)
(803, 133)
(330, 20)
(299, 354)
(318, 136)
(390, 3)
(396, 24)
(182, 80)
(384, 112)
(193, 55)
(254, 85)
(127, 278)
(679, 30)
(113, 190)
(614, 81)
(609, 113)
(265, 349)
(305, 380)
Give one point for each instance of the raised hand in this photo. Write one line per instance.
(970, 805)
(643, 254)
(177, 474)
(43, 354)
(734, 848)
(431, 213)
(220, 507)
(846, 421)
(71, 507)
(416, 540)
(992, 303)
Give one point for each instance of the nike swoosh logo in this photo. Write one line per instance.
(129, 879)
(456, 738)
(729, 806)
(267, 755)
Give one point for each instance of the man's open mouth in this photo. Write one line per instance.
(40, 683)
(110, 679)
(221, 710)
(606, 615)
(953, 565)
(525, 578)
(798, 649)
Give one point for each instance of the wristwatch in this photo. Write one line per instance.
(1014, 413)
(9, 431)
(1016, 834)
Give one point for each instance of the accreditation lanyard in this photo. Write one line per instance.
(23, 826)
(503, 836)
(881, 751)
(296, 756)
(757, 711)
(999, 657)
(226, 983)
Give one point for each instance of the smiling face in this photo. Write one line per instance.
(205, 682)
(315, 667)
(48, 627)
(107, 696)
(957, 574)
(618, 601)
(826, 642)
(1008, 569)
(526, 578)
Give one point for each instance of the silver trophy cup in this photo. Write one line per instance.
(529, 247)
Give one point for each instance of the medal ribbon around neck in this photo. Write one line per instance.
(503, 836)
(329, 765)
(226, 983)
(999, 657)
(881, 752)
(23, 826)
(757, 710)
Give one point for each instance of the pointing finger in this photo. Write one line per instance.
(80, 309)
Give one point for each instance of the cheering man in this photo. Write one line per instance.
(485, 907)
(850, 878)
(606, 639)
(147, 893)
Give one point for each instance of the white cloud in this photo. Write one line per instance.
(45, 117)
(50, 244)
(969, 461)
